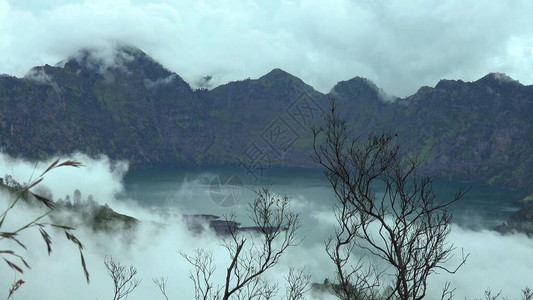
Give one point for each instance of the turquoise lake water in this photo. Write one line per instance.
(194, 191)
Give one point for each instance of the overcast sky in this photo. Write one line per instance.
(400, 45)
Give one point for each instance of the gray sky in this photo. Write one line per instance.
(400, 45)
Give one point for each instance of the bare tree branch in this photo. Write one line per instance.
(161, 283)
(251, 253)
(406, 227)
(123, 277)
(202, 261)
(297, 284)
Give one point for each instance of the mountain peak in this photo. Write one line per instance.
(361, 86)
(105, 58)
(498, 78)
(280, 78)
(278, 73)
(362, 81)
(115, 58)
(448, 84)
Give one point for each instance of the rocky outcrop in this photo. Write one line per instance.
(519, 222)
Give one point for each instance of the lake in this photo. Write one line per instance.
(196, 191)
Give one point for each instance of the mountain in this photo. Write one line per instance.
(472, 131)
(122, 103)
(245, 113)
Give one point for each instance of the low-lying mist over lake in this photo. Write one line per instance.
(189, 190)
(164, 196)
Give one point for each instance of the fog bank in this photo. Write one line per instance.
(496, 262)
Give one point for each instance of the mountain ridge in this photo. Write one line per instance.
(128, 106)
(121, 51)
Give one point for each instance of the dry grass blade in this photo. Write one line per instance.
(13, 238)
(44, 200)
(13, 266)
(28, 187)
(47, 240)
(21, 192)
(63, 226)
(75, 240)
(50, 167)
(84, 265)
(7, 235)
(71, 163)
(16, 285)
(23, 261)
(17, 256)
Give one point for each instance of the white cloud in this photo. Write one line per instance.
(100, 177)
(152, 249)
(496, 262)
(166, 80)
(38, 75)
(399, 45)
(104, 59)
(504, 78)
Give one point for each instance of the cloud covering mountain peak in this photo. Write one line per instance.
(400, 46)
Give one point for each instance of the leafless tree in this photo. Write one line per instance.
(297, 284)
(251, 253)
(161, 283)
(123, 277)
(447, 292)
(527, 294)
(489, 295)
(406, 228)
(202, 261)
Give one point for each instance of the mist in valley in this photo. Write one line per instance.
(494, 261)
